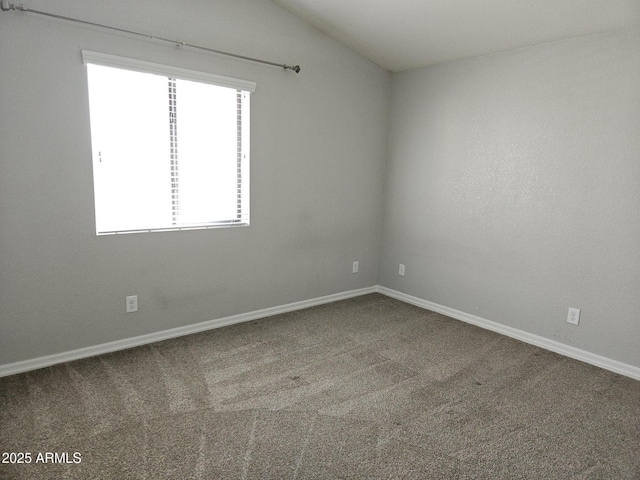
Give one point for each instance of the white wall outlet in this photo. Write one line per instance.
(356, 267)
(132, 304)
(401, 270)
(573, 317)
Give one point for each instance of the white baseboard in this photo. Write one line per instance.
(566, 350)
(49, 360)
(542, 342)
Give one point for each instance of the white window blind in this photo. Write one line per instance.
(132, 64)
(170, 146)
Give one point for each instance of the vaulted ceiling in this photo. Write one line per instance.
(405, 34)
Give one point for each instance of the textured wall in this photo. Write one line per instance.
(512, 186)
(512, 189)
(317, 165)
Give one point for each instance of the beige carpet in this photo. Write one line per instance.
(363, 388)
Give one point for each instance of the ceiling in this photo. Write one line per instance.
(403, 34)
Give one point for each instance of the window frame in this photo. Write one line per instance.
(243, 87)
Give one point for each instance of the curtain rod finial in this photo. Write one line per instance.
(295, 68)
(6, 6)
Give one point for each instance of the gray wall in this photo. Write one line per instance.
(318, 146)
(512, 189)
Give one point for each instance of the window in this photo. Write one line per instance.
(170, 146)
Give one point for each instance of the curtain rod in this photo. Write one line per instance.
(6, 6)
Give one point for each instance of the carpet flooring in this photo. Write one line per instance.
(365, 388)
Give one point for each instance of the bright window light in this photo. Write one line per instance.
(168, 153)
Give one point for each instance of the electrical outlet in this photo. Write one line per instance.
(573, 317)
(355, 268)
(401, 270)
(132, 304)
